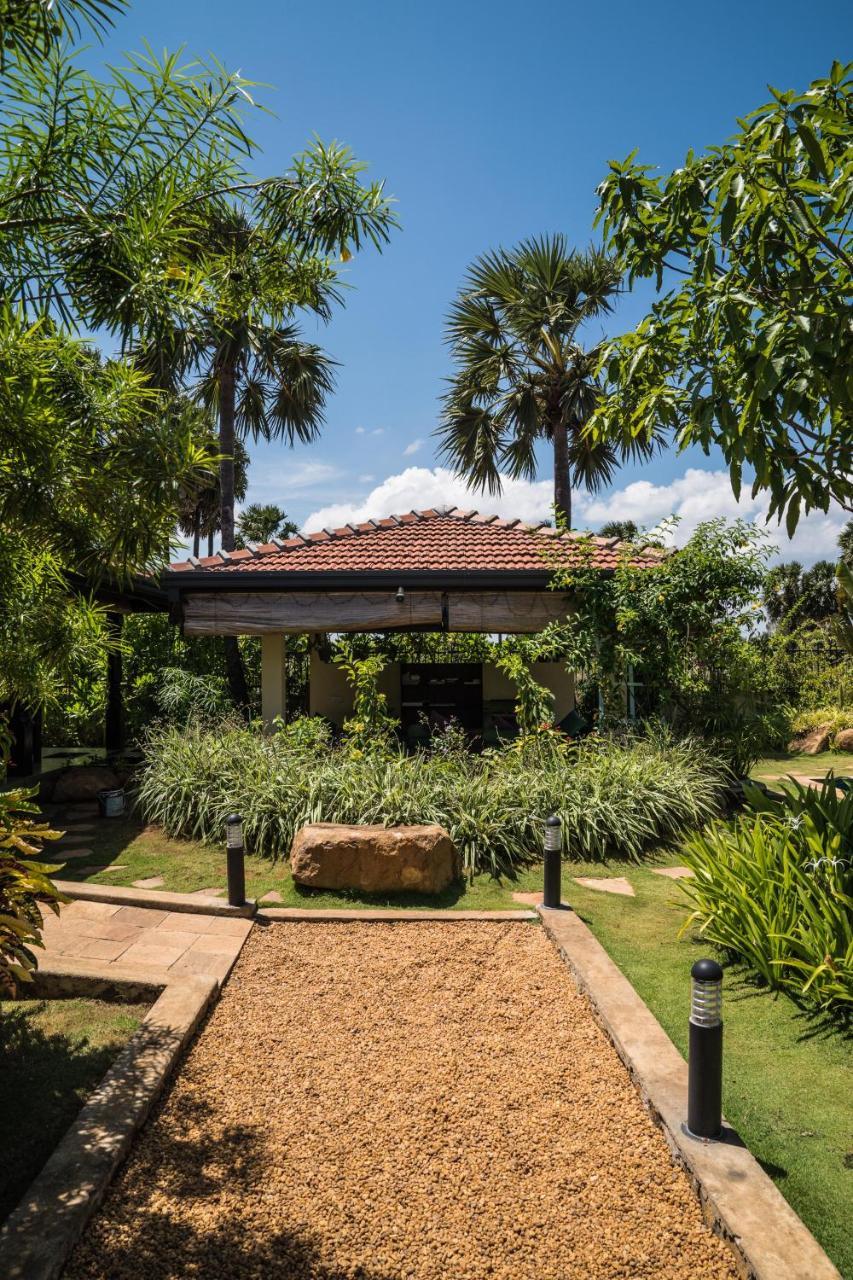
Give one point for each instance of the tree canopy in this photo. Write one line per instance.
(522, 375)
(749, 345)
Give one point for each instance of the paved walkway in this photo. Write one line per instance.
(144, 938)
(401, 1102)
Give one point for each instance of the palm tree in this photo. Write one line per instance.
(259, 522)
(624, 530)
(199, 515)
(522, 375)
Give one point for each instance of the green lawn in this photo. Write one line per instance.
(53, 1053)
(788, 1080)
(772, 768)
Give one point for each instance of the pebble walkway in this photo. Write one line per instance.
(380, 1102)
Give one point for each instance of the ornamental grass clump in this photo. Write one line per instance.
(615, 798)
(775, 890)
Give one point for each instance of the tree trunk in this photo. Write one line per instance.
(196, 531)
(233, 659)
(210, 542)
(562, 475)
(226, 448)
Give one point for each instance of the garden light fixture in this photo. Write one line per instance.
(235, 855)
(551, 866)
(705, 1059)
(400, 596)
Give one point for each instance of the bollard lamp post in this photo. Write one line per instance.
(551, 867)
(705, 1061)
(235, 854)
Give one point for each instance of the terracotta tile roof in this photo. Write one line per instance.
(446, 539)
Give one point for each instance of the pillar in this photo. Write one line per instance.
(114, 714)
(273, 678)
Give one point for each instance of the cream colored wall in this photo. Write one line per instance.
(331, 696)
(499, 688)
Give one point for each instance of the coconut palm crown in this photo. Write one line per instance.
(522, 375)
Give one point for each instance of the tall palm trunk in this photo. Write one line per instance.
(227, 415)
(233, 659)
(562, 474)
(196, 531)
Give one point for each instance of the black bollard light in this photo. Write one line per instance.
(236, 865)
(552, 865)
(705, 1061)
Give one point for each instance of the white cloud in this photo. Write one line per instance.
(359, 431)
(694, 496)
(366, 479)
(411, 449)
(419, 487)
(377, 431)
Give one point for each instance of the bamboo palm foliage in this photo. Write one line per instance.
(522, 375)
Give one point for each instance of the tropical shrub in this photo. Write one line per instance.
(615, 798)
(370, 726)
(24, 883)
(834, 718)
(689, 629)
(775, 889)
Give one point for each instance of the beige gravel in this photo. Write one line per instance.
(378, 1101)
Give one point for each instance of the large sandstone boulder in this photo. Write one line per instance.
(844, 740)
(374, 859)
(811, 743)
(83, 782)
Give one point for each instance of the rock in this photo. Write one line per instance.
(844, 740)
(811, 743)
(374, 859)
(83, 782)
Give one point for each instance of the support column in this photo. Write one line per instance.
(273, 678)
(114, 714)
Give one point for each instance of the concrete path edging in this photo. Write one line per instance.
(117, 895)
(38, 1236)
(739, 1200)
(306, 915)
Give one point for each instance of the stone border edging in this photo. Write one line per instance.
(118, 895)
(739, 1200)
(38, 1236)
(304, 914)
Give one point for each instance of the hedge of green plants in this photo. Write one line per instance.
(775, 890)
(615, 798)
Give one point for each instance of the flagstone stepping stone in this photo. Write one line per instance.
(75, 853)
(528, 899)
(672, 873)
(272, 896)
(149, 882)
(607, 884)
(116, 866)
(206, 893)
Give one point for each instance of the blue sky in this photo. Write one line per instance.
(490, 121)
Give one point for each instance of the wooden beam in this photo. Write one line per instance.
(245, 613)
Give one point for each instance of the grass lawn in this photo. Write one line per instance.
(772, 768)
(788, 1080)
(53, 1053)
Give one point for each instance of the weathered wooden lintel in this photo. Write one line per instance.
(258, 613)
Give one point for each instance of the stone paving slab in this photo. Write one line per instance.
(146, 938)
(607, 884)
(390, 916)
(153, 898)
(673, 873)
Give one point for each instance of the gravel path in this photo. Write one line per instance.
(373, 1102)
